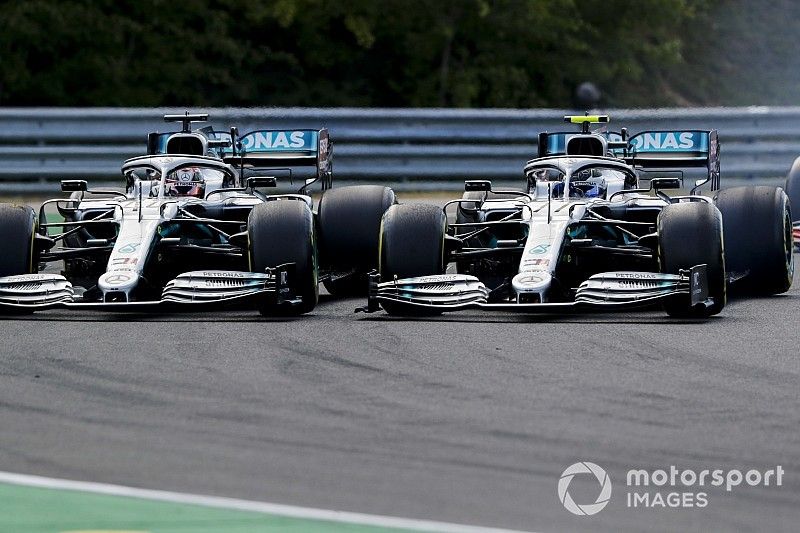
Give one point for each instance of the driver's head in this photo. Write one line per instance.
(595, 190)
(187, 181)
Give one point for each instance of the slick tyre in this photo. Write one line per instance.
(412, 245)
(17, 232)
(689, 234)
(349, 223)
(758, 239)
(279, 232)
(792, 189)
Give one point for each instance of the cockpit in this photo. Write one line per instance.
(166, 180)
(588, 180)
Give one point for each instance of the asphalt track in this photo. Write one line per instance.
(467, 418)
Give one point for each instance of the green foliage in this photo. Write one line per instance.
(463, 53)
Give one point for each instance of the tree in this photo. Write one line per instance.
(463, 53)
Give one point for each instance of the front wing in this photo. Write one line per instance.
(608, 291)
(191, 291)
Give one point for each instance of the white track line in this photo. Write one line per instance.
(277, 509)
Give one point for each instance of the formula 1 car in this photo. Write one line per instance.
(193, 229)
(588, 234)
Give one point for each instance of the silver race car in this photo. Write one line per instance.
(592, 230)
(194, 228)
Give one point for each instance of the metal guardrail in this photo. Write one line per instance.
(41, 144)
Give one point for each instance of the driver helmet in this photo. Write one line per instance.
(597, 189)
(186, 181)
(588, 183)
(585, 189)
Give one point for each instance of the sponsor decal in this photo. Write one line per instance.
(439, 279)
(537, 262)
(117, 279)
(266, 141)
(124, 261)
(670, 141)
(641, 284)
(231, 274)
(232, 283)
(129, 248)
(539, 249)
(533, 279)
(28, 277)
(637, 275)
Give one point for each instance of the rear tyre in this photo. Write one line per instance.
(690, 234)
(349, 222)
(282, 231)
(412, 245)
(793, 188)
(758, 238)
(18, 228)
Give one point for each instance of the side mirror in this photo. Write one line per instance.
(261, 181)
(477, 185)
(74, 185)
(659, 184)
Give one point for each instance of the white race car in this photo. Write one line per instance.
(593, 229)
(193, 228)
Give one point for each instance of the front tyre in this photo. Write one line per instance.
(690, 234)
(282, 231)
(412, 245)
(17, 233)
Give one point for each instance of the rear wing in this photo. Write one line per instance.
(305, 152)
(651, 150)
(676, 149)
